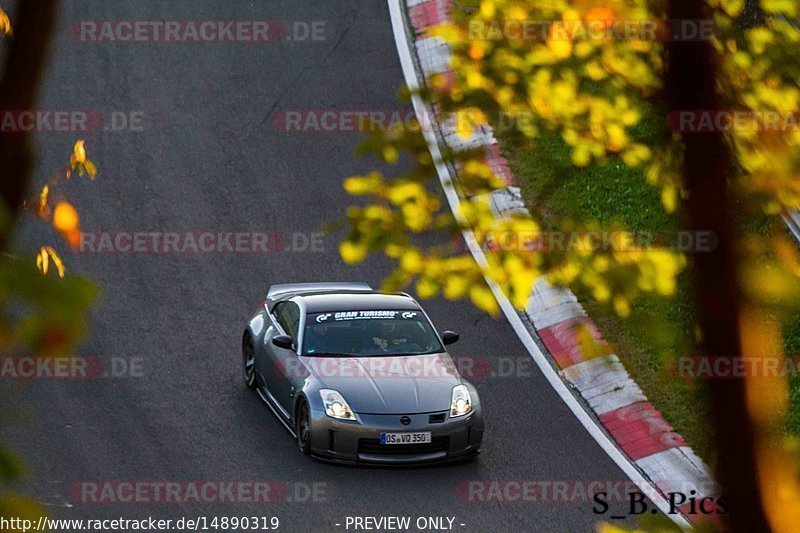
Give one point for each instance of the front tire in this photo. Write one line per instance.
(303, 428)
(249, 361)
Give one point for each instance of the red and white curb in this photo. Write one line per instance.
(598, 390)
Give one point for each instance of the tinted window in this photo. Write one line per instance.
(288, 314)
(369, 333)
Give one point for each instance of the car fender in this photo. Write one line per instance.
(257, 325)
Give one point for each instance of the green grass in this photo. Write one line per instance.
(658, 329)
(791, 347)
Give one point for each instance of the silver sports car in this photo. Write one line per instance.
(360, 376)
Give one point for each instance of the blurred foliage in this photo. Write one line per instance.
(593, 91)
(63, 216)
(40, 315)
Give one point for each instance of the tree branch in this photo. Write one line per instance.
(24, 68)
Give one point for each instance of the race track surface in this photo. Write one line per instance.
(209, 157)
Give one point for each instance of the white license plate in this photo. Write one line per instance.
(420, 437)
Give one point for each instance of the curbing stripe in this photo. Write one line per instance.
(623, 394)
(641, 430)
(507, 201)
(481, 136)
(563, 340)
(549, 305)
(498, 163)
(426, 14)
(593, 376)
(694, 474)
(434, 55)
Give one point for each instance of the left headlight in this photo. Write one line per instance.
(461, 403)
(335, 405)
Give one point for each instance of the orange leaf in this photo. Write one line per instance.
(65, 218)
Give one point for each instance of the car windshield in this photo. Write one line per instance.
(369, 333)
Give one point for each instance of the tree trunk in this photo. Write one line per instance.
(25, 64)
(690, 85)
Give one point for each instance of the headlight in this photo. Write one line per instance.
(335, 405)
(461, 403)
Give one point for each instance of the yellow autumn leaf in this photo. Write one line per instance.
(455, 287)
(45, 256)
(79, 152)
(359, 185)
(56, 259)
(604, 527)
(405, 191)
(560, 48)
(787, 7)
(43, 261)
(353, 252)
(483, 298)
(427, 288)
(43, 198)
(390, 154)
(621, 306)
(669, 198)
(732, 7)
(5, 23)
(412, 261)
(90, 169)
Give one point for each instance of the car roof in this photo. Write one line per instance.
(355, 301)
(285, 291)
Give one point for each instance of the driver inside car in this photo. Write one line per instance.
(387, 335)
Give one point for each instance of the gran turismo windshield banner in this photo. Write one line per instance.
(367, 315)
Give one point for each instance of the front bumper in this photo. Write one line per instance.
(453, 439)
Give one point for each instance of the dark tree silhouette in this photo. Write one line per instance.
(25, 63)
(690, 85)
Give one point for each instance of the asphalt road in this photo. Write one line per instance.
(209, 158)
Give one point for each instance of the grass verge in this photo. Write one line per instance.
(658, 329)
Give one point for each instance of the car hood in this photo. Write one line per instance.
(399, 384)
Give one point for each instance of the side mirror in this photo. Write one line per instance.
(282, 341)
(449, 337)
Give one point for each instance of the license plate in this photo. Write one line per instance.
(420, 437)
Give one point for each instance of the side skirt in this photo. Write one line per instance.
(267, 398)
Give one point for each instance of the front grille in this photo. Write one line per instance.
(374, 446)
(437, 418)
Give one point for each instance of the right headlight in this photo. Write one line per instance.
(461, 403)
(335, 405)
